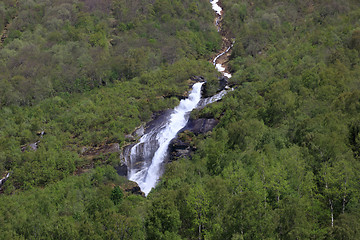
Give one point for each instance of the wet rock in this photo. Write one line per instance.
(210, 89)
(122, 168)
(157, 118)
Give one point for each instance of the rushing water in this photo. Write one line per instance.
(146, 158)
(220, 67)
(215, 6)
(218, 11)
(3, 180)
(147, 175)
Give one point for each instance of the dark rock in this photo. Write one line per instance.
(139, 131)
(157, 118)
(41, 133)
(209, 89)
(198, 78)
(223, 82)
(133, 188)
(179, 149)
(144, 151)
(201, 125)
(122, 169)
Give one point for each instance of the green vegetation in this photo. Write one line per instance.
(99, 117)
(282, 163)
(75, 208)
(73, 46)
(284, 159)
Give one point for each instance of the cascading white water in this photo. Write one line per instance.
(215, 6)
(216, 97)
(148, 174)
(147, 157)
(3, 180)
(218, 66)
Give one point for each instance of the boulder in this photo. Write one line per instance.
(179, 149)
(201, 125)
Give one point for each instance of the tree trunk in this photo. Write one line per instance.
(344, 199)
(332, 213)
(200, 226)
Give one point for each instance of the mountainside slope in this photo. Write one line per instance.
(283, 162)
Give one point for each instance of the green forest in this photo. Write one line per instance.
(78, 76)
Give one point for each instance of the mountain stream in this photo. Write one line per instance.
(145, 160)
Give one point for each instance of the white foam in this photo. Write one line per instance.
(219, 67)
(150, 172)
(228, 75)
(215, 6)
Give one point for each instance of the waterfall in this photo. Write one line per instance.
(147, 156)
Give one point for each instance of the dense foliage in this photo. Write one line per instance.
(283, 162)
(76, 45)
(72, 123)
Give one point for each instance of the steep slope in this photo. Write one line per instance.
(283, 162)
